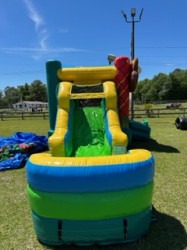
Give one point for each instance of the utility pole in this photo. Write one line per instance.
(132, 21)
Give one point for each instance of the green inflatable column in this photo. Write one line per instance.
(52, 82)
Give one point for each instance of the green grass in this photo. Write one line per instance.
(170, 194)
(38, 126)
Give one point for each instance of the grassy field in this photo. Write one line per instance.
(170, 194)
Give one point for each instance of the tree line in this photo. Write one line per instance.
(163, 87)
(36, 91)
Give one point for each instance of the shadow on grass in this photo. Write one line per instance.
(153, 145)
(167, 233)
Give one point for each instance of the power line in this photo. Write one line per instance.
(162, 47)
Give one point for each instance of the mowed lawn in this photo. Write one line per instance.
(169, 232)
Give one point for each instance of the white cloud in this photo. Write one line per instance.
(38, 53)
(43, 39)
(47, 51)
(39, 24)
(33, 14)
(42, 35)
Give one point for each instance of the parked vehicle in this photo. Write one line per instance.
(173, 105)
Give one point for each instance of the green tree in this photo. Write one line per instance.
(38, 91)
(1, 99)
(174, 90)
(24, 91)
(142, 90)
(178, 88)
(161, 83)
(11, 96)
(163, 87)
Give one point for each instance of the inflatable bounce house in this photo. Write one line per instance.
(89, 188)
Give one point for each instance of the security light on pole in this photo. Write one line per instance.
(132, 21)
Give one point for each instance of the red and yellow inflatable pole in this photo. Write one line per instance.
(126, 81)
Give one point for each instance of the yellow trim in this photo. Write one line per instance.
(118, 137)
(46, 159)
(87, 95)
(56, 141)
(87, 75)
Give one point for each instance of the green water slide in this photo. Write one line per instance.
(85, 129)
(89, 132)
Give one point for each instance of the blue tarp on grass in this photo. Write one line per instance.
(16, 149)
